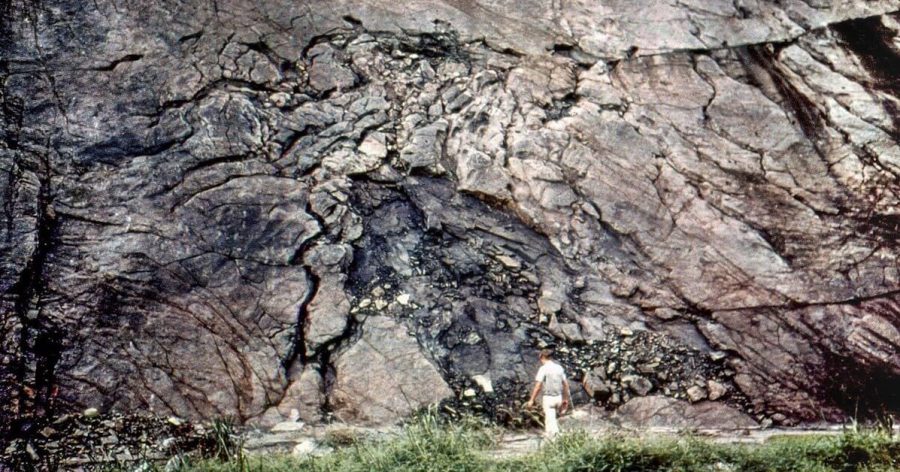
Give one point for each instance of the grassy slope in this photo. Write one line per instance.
(430, 446)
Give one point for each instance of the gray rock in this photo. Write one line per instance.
(639, 385)
(327, 72)
(424, 148)
(567, 331)
(596, 387)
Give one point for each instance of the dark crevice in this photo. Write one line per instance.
(863, 391)
(40, 342)
(298, 347)
(561, 108)
(112, 65)
(284, 65)
(189, 37)
(873, 43)
(234, 158)
(354, 22)
(209, 88)
(324, 357)
(804, 110)
(574, 53)
(127, 145)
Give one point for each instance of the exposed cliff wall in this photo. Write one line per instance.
(352, 208)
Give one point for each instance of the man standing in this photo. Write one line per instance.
(552, 380)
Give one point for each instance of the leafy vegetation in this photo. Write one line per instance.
(431, 444)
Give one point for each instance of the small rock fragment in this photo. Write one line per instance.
(509, 262)
(29, 448)
(639, 385)
(596, 387)
(717, 355)
(287, 426)
(716, 390)
(304, 448)
(484, 382)
(695, 394)
(279, 99)
(550, 302)
(374, 145)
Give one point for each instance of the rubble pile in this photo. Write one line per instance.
(91, 440)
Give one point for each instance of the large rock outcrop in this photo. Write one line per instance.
(240, 208)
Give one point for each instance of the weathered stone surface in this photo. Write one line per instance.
(639, 385)
(659, 411)
(327, 313)
(303, 400)
(696, 394)
(596, 386)
(209, 211)
(716, 390)
(384, 376)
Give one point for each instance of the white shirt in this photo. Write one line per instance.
(551, 376)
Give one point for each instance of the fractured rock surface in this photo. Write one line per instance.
(354, 208)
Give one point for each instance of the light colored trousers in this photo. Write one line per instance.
(550, 404)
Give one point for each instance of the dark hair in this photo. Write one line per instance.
(546, 353)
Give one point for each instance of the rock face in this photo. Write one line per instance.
(655, 411)
(244, 208)
(384, 376)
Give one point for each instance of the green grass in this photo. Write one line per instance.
(431, 445)
(849, 452)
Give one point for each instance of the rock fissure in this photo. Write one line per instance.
(39, 340)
